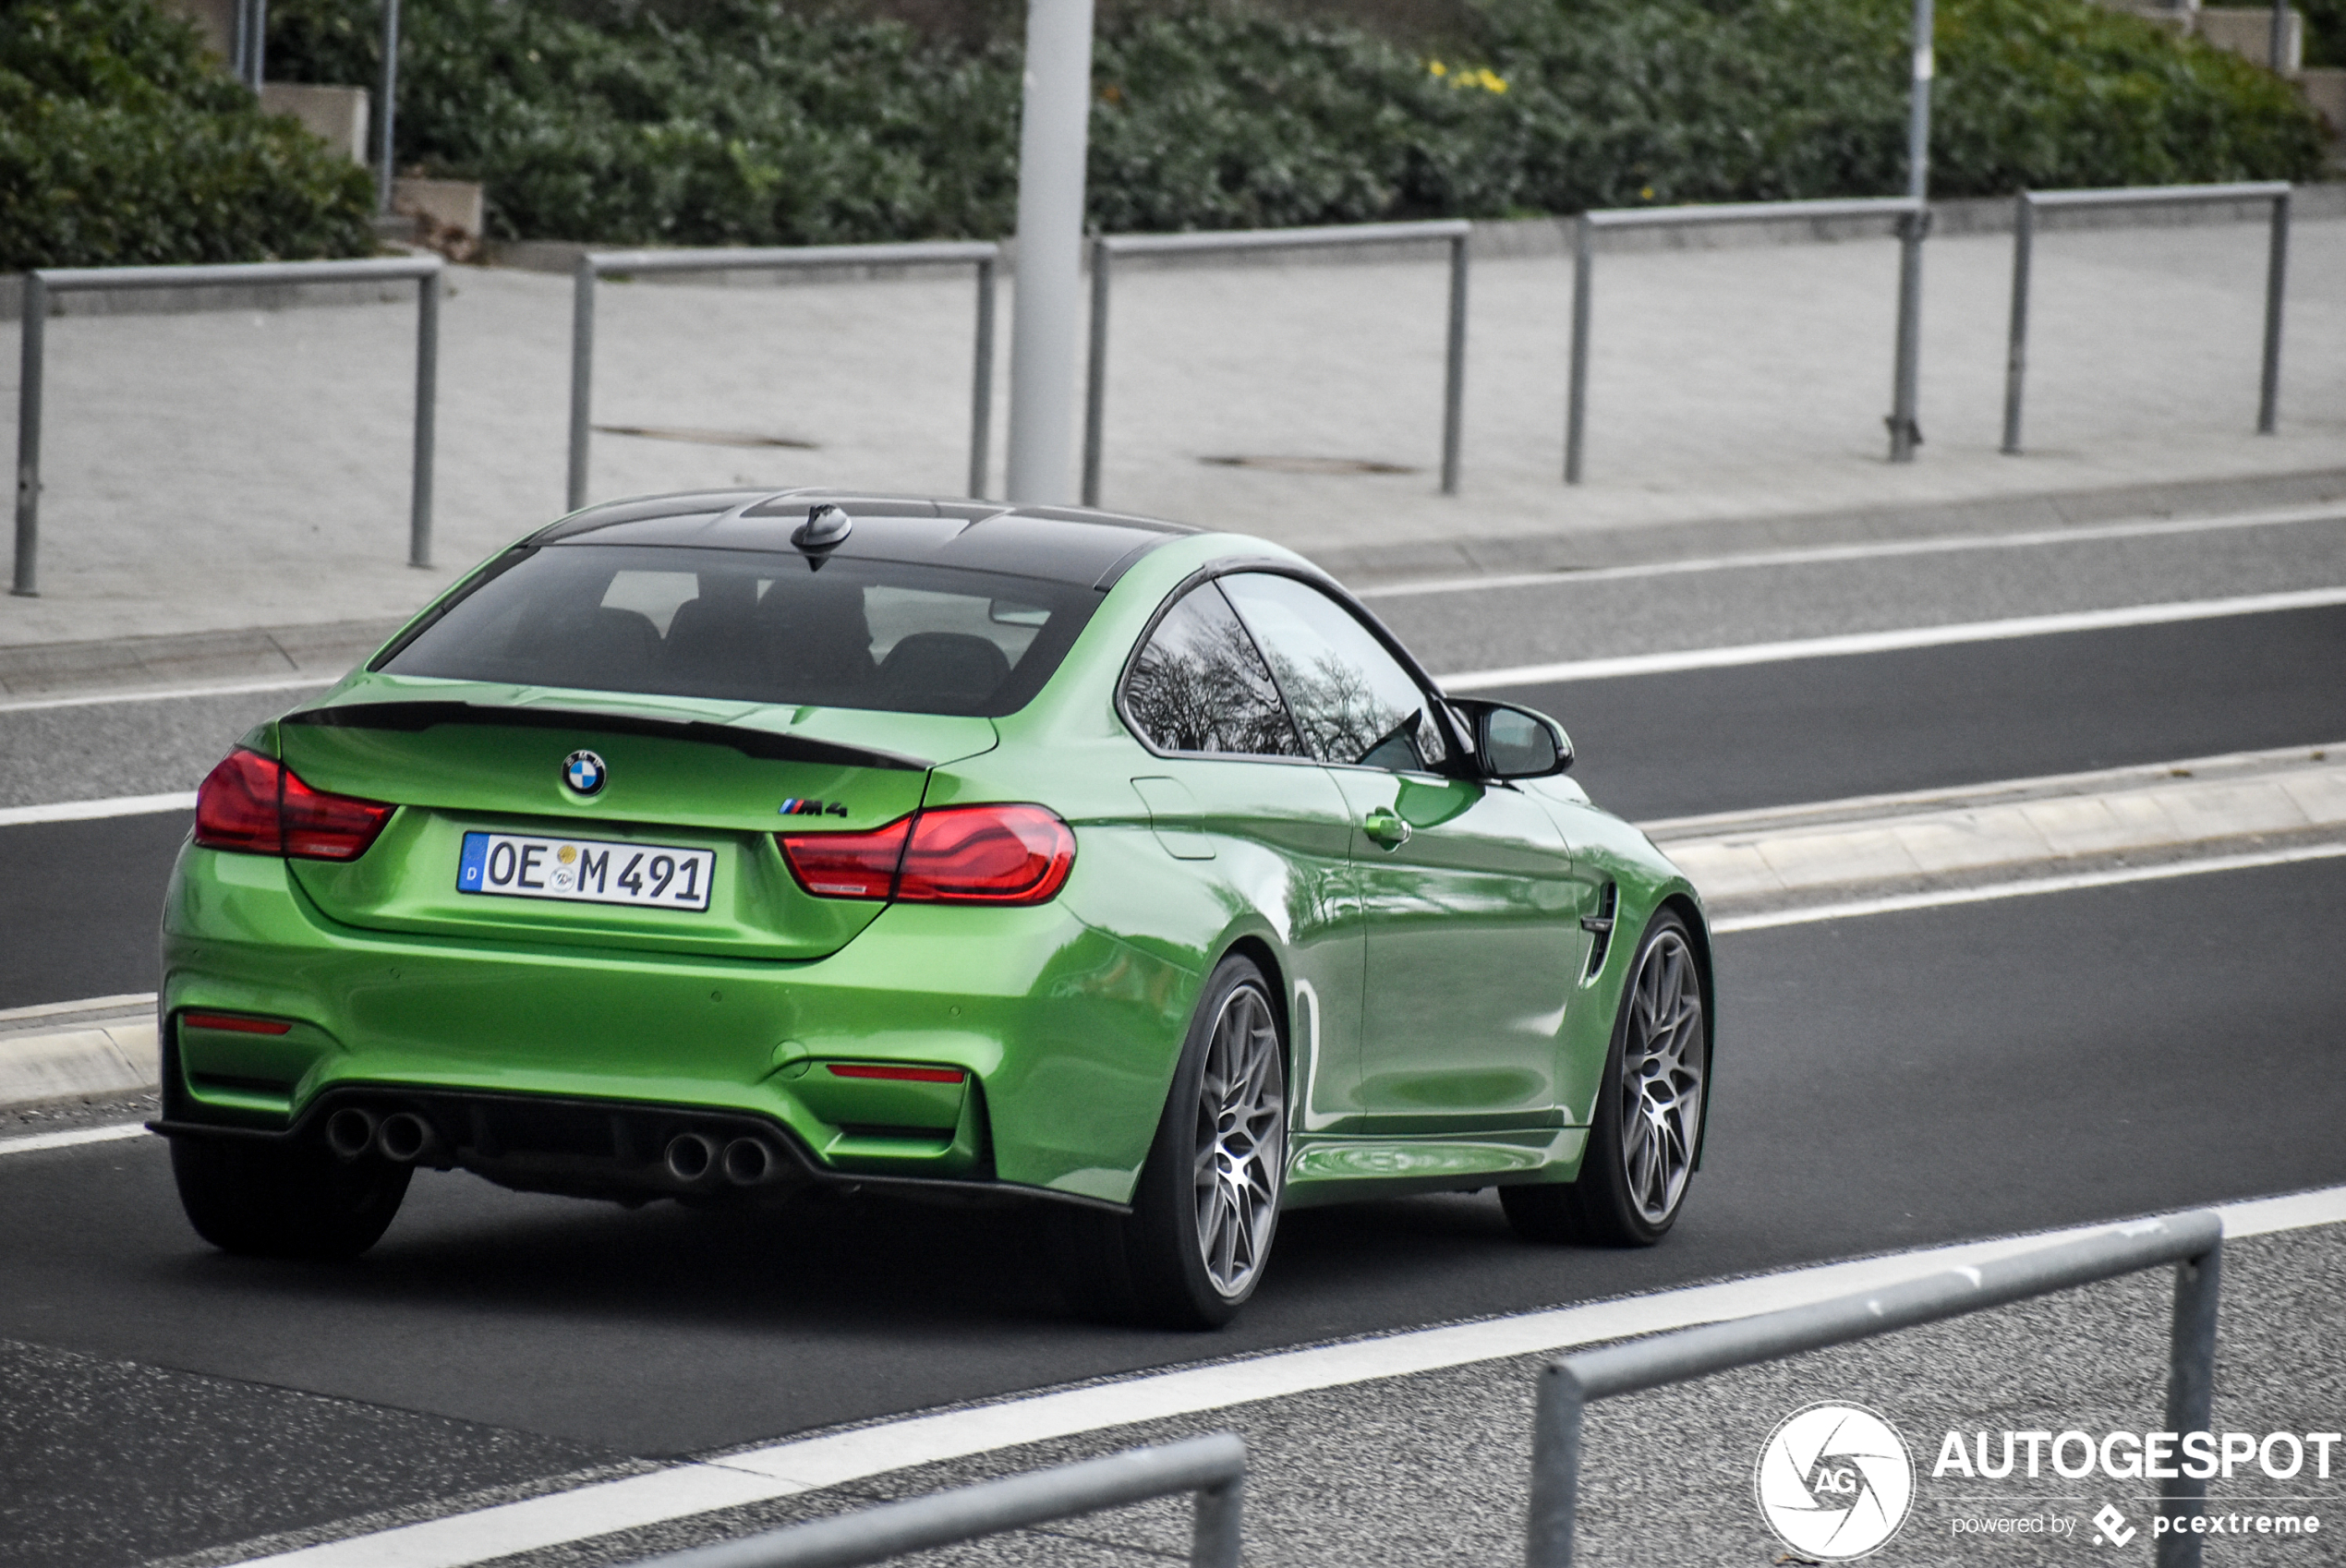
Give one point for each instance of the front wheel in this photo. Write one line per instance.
(284, 1201)
(1649, 1113)
(1193, 1249)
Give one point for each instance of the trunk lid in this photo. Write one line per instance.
(677, 774)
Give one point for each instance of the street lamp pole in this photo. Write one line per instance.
(1053, 134)
(1906, 429)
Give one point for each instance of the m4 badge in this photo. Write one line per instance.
(814, 808)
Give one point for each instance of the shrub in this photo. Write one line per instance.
(121, 143)
(756, 121)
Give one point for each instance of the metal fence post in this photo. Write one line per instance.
(1454, 372)
(2024, 246)
(1575, 411)
(1095, 381)
(2275, 280)
(1216, 1525)
(2191, 1378)
(1555, 1469)
(582, 372)
(982, 383)
(35, 322)
(426, 418)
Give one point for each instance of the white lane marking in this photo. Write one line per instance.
(128, 1000)
(168, 694)
(1819, 555)
(785, 1468)
(85, 811)
(1896, 903)
(1893, 641)
(68, 1140)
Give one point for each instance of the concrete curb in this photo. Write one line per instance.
(112, 1059)
(326, 651)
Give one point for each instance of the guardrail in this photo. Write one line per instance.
(40, 283)
(2191, 1242)
(982, 254)
(1903, 209)
(1214, 1467)
(1106, 247)
(2024, 236)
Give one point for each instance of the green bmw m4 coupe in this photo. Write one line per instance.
(726, 847)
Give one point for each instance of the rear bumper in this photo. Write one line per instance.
(1067, 1037)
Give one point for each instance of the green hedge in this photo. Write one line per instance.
(716, 121)
(120, 143)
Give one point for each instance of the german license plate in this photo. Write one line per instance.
(585, 870)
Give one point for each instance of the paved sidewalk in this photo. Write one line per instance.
(226, 471)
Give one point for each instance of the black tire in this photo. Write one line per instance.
(1189, 1255)
(1648, 1123)
(266, 1199)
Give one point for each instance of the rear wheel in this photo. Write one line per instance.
(269, 1200)
(1207, 1206)
(1648, 1112)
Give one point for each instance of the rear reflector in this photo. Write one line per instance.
(900, 1075)
(991, 855)
(259, 805)
(233, 1024)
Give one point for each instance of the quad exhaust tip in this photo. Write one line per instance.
(748, 1162)
(403, 1137)
(350, 1132)
(690, 1155)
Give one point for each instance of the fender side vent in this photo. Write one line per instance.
(1599, 928)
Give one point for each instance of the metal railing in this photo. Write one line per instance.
(2024, 236)
(1902, 210)
(40, 283)
(1214, 1467)
(2191, 1242)
(593, 265)
(1453, 231)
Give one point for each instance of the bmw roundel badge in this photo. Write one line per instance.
(584, 772)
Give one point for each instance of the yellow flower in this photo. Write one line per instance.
(1437, 67)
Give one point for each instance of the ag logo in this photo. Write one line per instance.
(1834, 1481)
(584, 772)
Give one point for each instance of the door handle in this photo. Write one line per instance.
(1386, 828)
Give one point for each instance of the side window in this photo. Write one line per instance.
(1200, 685)
(1352, 699)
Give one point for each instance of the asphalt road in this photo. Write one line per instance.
(1880, 1084)
(78, 898)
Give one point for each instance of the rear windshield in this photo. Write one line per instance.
(755, 626)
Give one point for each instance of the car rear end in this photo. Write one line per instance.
(619, 875)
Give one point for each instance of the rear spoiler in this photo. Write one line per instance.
(413, 717)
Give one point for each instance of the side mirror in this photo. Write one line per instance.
(1516, 742)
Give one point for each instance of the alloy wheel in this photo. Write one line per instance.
(1661, 1067)
(1241, 1141)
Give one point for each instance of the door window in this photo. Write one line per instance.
(1201, 685)
(1351, 698)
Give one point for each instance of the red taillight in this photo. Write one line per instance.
(986, 855)
(233, 1024)
(259, 805)
(846, 865)
(956, 855)
(236, 805)
(898, 1075)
